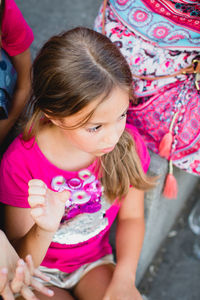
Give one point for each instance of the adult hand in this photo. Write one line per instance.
(47, 206)
(22, 282)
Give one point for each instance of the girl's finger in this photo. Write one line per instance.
(38, 286)
(37, 212)
(26, 272)
(28, 294)
(30, 264)
(7, 293)
(18, 281)
(3, 278)
(36, 182)
(39, 274)
(33, 271)
(5, 290)
(34, 200)
(37, 190)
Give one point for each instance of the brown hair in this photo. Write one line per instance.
(71, 70)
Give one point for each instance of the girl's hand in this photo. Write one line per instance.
(122, 289)
(131, 294)
(47, 206)
(22, 281)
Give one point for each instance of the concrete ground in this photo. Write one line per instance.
(47, 17)
(175, 273)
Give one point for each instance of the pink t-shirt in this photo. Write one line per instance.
(83, 235)
(17, 36)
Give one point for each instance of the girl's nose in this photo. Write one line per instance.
(112, 137)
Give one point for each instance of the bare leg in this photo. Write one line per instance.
(94, 284)
(59, 294)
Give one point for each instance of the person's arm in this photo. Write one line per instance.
(129, 240)
(16, 275)
(33, 228)
(22, 64)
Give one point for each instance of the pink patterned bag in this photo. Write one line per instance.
(161, 41)
(175, 110)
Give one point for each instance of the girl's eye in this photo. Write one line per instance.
(94, 129)
(123, 115)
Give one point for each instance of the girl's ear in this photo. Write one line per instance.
(56, 122)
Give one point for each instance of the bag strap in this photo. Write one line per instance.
(194, 68)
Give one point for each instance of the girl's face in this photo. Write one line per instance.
(103, 130)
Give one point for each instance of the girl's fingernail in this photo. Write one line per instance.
(50, 293)
(29, 256)
(21, 262)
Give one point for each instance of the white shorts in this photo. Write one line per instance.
(69, 280)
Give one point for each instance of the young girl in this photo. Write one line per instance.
(76, 141)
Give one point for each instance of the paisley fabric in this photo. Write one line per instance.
(143, 56)
(153, 119)
(169, 24)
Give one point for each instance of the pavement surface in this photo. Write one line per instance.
(48, 17)
(175, 272)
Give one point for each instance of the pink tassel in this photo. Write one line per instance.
(171, 187)
(166, 145)
(167, 140)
